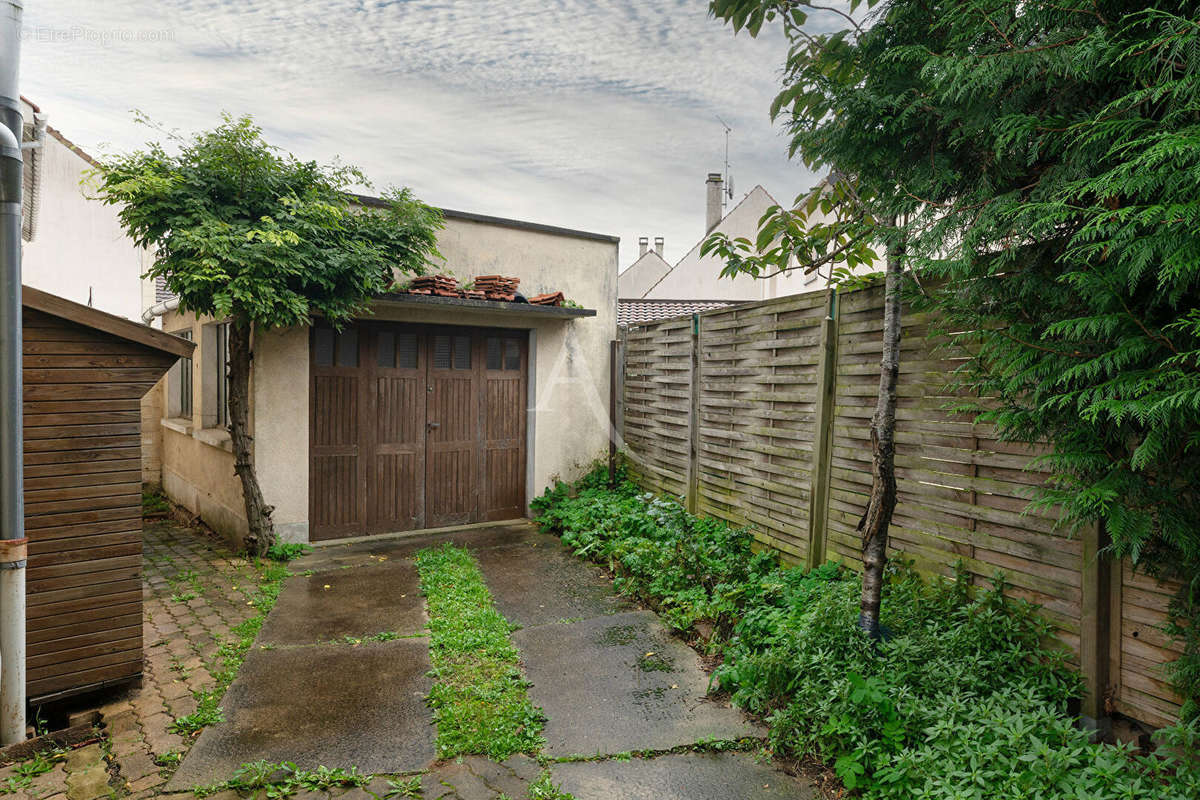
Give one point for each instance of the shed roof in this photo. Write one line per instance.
(71, 311)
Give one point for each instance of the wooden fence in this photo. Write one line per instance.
(759, 414)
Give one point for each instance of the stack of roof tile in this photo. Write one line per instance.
(552, 299)
(497, 287)
(440, 285)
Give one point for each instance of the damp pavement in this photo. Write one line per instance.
(320, 688)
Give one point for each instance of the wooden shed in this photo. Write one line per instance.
(85, 372)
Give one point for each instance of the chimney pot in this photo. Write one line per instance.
(714, 185)
(643, 245)
(658, 245)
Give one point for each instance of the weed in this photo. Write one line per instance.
(654, 662)
(287, 551)
(403, 788)
(967, 697)
(23, 774)
(154, 502)
(543, 788)
(479, 700)
(232, 652)
(272, 780)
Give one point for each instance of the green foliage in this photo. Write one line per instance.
(966, 696)
(543, 788)
(1045, 158)
(242, 229)
(287, 551)
(231, 653)
(478, 698)
(270, 780)
(403, 788)
(22, 774)
(154, 501)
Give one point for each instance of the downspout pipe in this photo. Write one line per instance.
(12, 503)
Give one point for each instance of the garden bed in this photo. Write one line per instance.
(968, 695)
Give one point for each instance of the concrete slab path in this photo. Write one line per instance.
(609, 678)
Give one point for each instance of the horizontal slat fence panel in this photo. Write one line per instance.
(725, 410)
(657, 403)
(83, 502)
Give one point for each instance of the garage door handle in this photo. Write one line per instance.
(434, 425)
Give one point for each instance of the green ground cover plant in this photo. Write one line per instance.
(478, 698)
(232, 652)
(967, 696)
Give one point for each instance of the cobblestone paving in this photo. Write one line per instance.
(195, 590)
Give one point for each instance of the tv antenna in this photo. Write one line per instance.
(728, 193)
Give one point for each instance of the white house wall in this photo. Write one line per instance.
(698, 277)
(641, 275)
(79, 250)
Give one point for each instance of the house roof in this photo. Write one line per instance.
(78, 313)
(636, 312)
(449, 213)
(720, 226)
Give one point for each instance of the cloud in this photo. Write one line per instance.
(593, 114)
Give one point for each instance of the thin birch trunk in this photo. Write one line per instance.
(258, 514)
(878, 517)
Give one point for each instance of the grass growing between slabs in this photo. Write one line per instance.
(478, 699)
(272, 572)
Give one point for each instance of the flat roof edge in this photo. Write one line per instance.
(487, 219)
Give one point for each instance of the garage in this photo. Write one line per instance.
(415, 426)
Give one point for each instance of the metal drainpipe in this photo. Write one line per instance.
(12, 503)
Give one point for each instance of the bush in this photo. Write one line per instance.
(966, 696)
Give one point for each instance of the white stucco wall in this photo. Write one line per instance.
(698, 277)
(638, 277)
(569, 376)
(79, 250)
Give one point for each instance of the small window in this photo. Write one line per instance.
(494, 360)
(441, 352)
(323, 347)
(406, 351)
(347, 348)
(385, 349)
(222, 374)
(512, 354)
(183, 397)
(462, 352)
(451, 352)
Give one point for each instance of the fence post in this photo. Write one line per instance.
(693, 471)
(1095, 627)
(818, 503)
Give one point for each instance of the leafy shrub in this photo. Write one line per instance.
(966, 696)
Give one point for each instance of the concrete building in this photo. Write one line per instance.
(697, 278)
(74, 245)
(428, 412)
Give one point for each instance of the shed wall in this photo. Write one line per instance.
(83, 514)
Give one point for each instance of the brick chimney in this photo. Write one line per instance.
(714, 185)
(658, 245)
(643, 245)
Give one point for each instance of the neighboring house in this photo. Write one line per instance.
(74, 245)
(428, 412)
(695, 280)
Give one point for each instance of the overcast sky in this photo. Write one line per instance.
(598, 115)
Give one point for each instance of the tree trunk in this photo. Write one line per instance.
(258, 513)
(875, 522)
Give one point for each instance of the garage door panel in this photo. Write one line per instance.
(415, 426)
(335, 407)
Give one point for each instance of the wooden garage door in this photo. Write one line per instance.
(415, 427)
